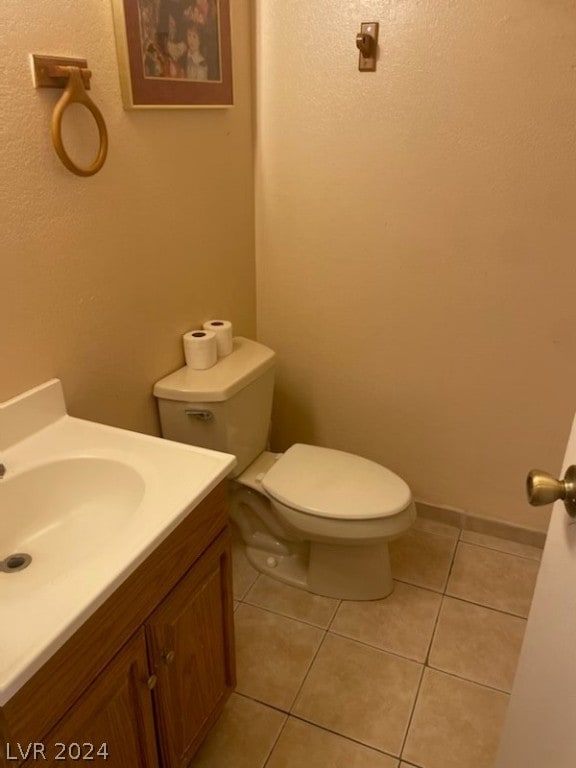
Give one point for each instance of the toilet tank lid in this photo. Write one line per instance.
(247, 361)
(330, 483)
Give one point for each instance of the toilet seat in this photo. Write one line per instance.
(334, 484)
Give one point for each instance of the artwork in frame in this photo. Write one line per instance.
(174, 54)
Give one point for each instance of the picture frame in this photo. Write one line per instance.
(174, 54)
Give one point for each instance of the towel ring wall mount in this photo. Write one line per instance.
(74, 76)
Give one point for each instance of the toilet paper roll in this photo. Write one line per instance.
(223, 331)
(200, 349)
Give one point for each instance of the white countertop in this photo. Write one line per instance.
(43, 605)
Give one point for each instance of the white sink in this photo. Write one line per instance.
(63, 512)
(87, 503)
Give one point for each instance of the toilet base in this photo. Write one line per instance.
(350, 572)
(291, 569)
(331, 570)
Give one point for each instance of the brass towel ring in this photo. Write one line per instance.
(76, 93)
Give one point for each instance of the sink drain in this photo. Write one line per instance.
(16, 562)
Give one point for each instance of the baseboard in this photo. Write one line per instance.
(467, 522)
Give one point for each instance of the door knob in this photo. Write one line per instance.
(542, 488)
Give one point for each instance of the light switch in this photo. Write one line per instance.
(367, 43)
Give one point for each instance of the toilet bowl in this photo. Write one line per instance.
(315, 518)
(321, 520)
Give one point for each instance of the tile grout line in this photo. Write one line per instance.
(473, 545)
(419, 586)
(343, 736)
(379, 648)
(411, 765)
(452, 559)
(275, 707)
(276, 740)
(468, 680)
(488, 607)
(320, 644)
(290, 616)
(502, 551)
(333, 619)
(427, 659)
(425, 665)
(320, 727)
(245, 593)
(437, 533)
(413, 710)
(450, 569)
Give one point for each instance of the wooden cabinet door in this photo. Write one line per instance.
(191, 650)
(112, 724)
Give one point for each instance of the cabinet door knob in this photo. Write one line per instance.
(152, 680)
(168, 657)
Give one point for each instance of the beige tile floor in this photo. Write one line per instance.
(421, 678)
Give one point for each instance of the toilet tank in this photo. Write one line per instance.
(226, 407)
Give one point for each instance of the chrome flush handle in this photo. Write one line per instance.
(200, 415)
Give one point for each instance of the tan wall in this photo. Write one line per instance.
(99, 277)
(416, 239)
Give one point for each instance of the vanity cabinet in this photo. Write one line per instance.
(149, 672)
(187, 647)
(113, 719)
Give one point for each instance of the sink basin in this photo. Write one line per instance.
(63, 512)
(88, 503)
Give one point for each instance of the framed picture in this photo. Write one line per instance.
(174, 54)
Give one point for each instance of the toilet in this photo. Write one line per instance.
(315, 518)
